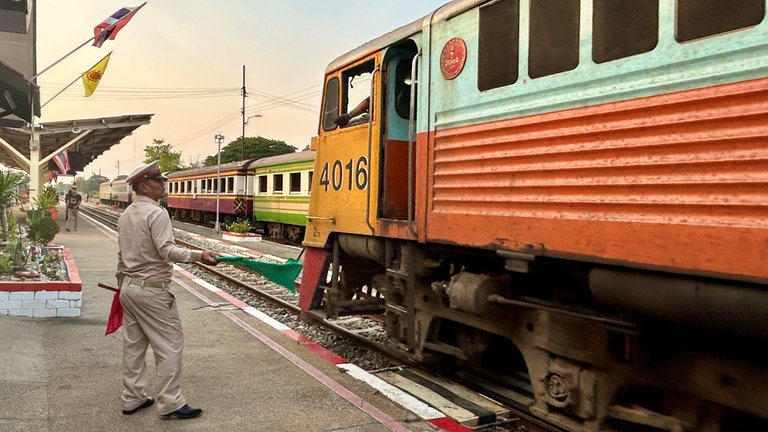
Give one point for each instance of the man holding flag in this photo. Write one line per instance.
(147, 250)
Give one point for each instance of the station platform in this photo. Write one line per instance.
(64, 374)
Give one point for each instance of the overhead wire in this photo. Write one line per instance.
(267, 101)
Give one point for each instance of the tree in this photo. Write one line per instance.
(90, 186)
(162, 151)
(255, 148)
(10, 181)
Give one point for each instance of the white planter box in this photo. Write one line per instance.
(235, 237)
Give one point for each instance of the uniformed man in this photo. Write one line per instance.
(147, 250)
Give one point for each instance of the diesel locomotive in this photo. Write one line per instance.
(566, 197)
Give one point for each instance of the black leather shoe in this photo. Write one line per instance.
(185, 412)
(147, 403)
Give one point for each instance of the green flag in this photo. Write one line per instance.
(284, 274)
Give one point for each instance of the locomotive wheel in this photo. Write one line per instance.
(275, 230)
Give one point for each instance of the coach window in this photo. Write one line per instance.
(230, 185)
(262, 184)
(554, 37)
(701, 18)
(499, 43)
(309, 184)
(623, 29)
(331, 104)
(294, 182)
(277, 183)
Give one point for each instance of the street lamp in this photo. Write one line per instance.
(219, 139)
(242, 139)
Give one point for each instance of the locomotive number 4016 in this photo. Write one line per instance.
(349, 176)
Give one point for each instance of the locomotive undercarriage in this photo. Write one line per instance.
(533, 328)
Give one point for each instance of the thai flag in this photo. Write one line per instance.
(108, 28)
(62, 161)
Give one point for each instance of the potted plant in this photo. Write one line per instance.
(48, 200)
(240, 230)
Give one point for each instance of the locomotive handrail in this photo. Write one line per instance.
(371, 106)
(412, 140)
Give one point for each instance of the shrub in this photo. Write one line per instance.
(43, 229)
(240, 226)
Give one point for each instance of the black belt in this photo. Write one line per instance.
(144, 283)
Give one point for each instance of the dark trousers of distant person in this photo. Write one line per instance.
(151, 318)
(72, 218)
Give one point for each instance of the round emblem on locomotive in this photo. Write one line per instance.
(452, 58)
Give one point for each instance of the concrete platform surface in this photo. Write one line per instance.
(63, 374)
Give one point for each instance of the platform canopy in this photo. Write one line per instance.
(89, 137)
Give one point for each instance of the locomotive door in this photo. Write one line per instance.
(397, 179)
(344, 193)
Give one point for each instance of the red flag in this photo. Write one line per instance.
(62, 161)
(108, 28)
(52, 176)
(115, 315)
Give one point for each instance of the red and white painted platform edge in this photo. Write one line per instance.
(424, 411)
(419, 408)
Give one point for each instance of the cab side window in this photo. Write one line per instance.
(331, 104)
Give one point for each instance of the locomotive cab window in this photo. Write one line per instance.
(356, 93)
(331, 104)
(701, 18)
(403, 84)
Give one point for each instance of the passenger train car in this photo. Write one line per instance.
(281, 194)
(192, 193)
(116, 192)
(566, 196)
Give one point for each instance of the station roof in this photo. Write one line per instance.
(92, 137)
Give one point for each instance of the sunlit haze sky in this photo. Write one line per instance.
(183, 62)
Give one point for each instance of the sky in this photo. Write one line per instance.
(182, 61)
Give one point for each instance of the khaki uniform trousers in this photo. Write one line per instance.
(151, 318)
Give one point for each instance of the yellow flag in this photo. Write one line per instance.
(93, 76)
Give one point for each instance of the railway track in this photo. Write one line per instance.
(363, 341)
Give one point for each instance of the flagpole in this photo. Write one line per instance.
(60, 92)
(68, 54)
(111, 27)
(75, 80)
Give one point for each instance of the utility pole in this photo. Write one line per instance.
(242, 136)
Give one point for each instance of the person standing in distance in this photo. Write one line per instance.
(146, 252)
(72, 200)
